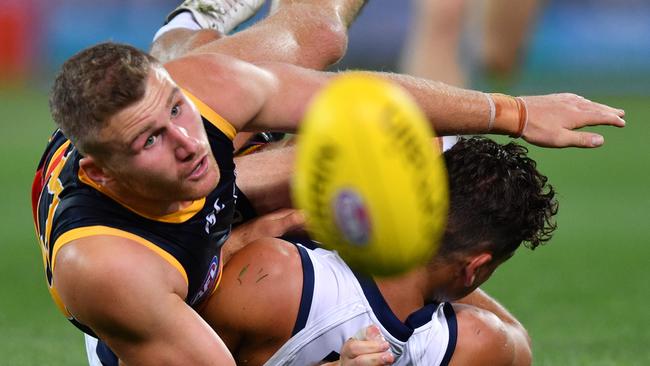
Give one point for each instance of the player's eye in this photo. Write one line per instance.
(176, 110)
(150, 141)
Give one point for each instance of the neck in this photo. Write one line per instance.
(404, 294)
(409, 292)
(125, 196)
(143, 206)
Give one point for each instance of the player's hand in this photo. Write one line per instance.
(272, 225)
(553, 120)
(367, 348)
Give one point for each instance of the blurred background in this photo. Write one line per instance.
(583, 297)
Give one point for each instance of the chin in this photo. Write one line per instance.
(203, 188)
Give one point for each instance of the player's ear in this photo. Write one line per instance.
(473, 268)
(93, 171)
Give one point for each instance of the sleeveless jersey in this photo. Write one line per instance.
(336, 303)
(67, 205)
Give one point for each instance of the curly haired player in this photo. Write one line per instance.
(285, 302)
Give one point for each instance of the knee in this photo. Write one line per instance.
(330, 39)
(319, 33)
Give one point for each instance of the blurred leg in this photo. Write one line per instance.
(506, 30)
(309, 33)
(197, 22)
(432, 44)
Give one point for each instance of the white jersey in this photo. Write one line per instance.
(98, 352)
(336, 303)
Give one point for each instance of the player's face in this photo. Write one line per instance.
(161, 147)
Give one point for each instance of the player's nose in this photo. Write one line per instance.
(187, 146)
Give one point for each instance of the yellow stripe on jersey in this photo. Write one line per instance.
(87, 231)
(54, 188)
(212, 116)
(177, 217)
(59, 303)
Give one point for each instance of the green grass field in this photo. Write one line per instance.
(583, 297)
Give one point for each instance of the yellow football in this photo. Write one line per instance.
(370, 177)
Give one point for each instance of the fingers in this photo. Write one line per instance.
(274, 224)
(601, 114)
(374, 359)
(290, 220)
(353, 348)
(369, 333)
(594, 113)
(617, 111)
(582, 139)
(554, 119)
(367, 347)
(294, 220)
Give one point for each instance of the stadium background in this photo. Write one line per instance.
(583, 297)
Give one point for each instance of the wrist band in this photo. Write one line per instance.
(493, 111)
(523, 117)
(511, 115)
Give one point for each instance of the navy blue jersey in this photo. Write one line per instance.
(67, 205)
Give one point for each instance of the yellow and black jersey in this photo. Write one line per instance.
(67, 205)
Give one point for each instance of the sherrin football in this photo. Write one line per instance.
(369, 177)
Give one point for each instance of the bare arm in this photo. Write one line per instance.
(273, 97)
(271, 225)
(488, 334)
(265, 178)
(133, 300)
(552, 119)
(256, 304)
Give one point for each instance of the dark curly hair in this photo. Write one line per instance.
(95, 84)
(498, 199)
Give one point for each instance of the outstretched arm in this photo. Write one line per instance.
(550, 120)
(488, 334)
(274, 96)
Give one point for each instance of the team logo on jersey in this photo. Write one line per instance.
(211, 218)
(208, 282)
(352, 217)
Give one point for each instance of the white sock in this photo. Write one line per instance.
(180, 20)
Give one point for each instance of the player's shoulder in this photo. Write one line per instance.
(268, 269)
(483, 338)
(97, 277)
(113, 266)
(265, 262)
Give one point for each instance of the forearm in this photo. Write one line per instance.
(451, 110)
(549, 120)
(264, 177)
